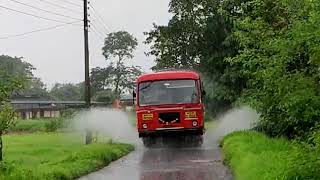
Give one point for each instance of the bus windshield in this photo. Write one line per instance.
(168, 92)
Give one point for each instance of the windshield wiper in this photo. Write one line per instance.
(147, 86)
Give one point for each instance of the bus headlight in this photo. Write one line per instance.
(194, 123)
(144, 126)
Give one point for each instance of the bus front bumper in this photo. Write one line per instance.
(176, 131)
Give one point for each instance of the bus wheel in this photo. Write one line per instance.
(199, 140)
(196, 141)
(148, 141)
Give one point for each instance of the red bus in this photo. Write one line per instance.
(170, 104)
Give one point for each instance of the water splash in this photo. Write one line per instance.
(107, 122)
(242, 118)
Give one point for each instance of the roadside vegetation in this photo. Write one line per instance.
(253, 155)
(47, 156)
(48, 149)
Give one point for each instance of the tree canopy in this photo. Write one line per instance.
(199, 37)
(119, 44)
(118, 48)
(67, 92)
(263, 53)
(18, 68)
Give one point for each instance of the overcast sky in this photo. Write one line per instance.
(58, 54)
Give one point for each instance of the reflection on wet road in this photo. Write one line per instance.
(166, 164)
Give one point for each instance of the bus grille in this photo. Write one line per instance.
(165, 118)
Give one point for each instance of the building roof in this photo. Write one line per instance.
(29, 104)
(166, 75)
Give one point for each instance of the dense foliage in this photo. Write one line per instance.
(200, 37)
(279, 43)
(260, 52)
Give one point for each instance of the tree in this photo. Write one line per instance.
(16, 67)
(117, 75)
(6, 121)
(124, 77)
(279, 56)
(264, 53)
(104, 96)
(7, 85)
(199, 37)
(67, 92)
(33, 87)
(101, 79)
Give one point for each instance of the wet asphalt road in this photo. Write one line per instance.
(167, 164)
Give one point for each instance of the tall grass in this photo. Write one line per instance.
(47, 156)
(253, 156)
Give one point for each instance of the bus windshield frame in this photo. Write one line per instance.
(168, 92)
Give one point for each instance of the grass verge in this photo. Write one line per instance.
(47, 156)
(252, 156)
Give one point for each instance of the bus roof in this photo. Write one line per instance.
(168, 75)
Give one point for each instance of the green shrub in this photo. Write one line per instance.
(69, 113)
(290, 107)
(52, 125)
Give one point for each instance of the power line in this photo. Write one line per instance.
(98, 23)
(60, 6)
(39, 30)
(97, 35)
(93, 27)
(99, 17)
(99, 28)
(36, 16)
(68, 2)
(43, 10)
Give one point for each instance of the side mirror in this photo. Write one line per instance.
(134, 95)
(204, 92)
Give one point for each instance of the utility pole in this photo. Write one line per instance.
(86, 60)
